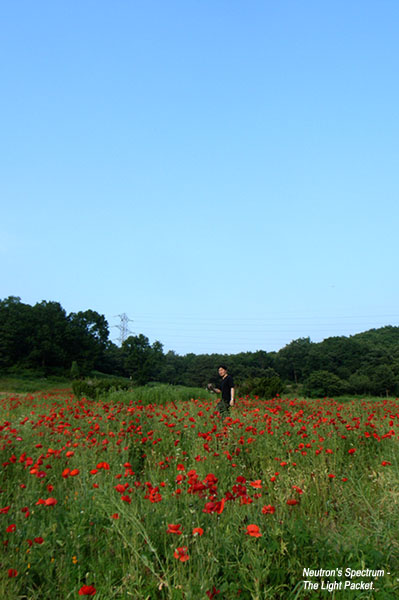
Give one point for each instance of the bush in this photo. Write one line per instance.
(75, 371)
(264, 387)
(324, 383)
(94, 388)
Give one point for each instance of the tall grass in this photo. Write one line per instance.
(158, 394)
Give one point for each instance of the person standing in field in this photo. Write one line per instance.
(226, 388)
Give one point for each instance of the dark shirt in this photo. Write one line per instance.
(227, 384)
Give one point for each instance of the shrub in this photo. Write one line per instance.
(264, 387)
(94, 388)
(324, 383)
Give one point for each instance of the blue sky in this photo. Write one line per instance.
(224, 172)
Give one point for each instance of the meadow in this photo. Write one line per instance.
(138, 497)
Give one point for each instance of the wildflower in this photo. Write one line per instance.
(87, 590)
(253, 531)
(246, 500)
(352, 451)
(385, 463)
(212, 593)
(103, 465)
(11, 528)
(50, 502)
(121, 488)
(12, 572)
(115, 516)
(292, 501)
(268, 510)
(198, 531)
(181, 554)
(39, 540)
(257, 484)
(211, 507)
(174, 529)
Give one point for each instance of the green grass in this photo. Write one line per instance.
(31, 383)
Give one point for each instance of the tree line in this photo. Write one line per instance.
(45, 339)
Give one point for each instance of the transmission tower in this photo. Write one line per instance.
(123, 327)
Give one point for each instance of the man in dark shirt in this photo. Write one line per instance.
(227, 390)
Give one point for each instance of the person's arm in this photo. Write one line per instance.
(217, 390)
(232, 396)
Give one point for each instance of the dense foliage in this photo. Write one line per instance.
(46, 339)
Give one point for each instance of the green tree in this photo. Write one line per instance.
(87, 339)
(47, 339)
(291, 362)
(142, 361)
(16, 331)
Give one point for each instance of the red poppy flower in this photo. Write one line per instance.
(352, 451)
(87, 590)
(212, 593)
(198, 530)
(12, 572)
(103, 465)
(257, 484)
(50, 502)
(115, 516)
(268, 510)
(253, 531)
(74, 472)
(181, 554)
(292, 501)
(121, 488)
(220, 506)
(39, 540)
(174, 529)
(11, 528)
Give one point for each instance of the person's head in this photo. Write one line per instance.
(222, 370)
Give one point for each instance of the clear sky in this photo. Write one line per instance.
(224, 172)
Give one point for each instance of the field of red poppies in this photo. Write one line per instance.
(118, 499)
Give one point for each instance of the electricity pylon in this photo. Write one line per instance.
(123, 327)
